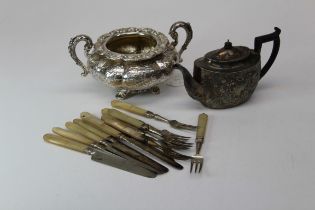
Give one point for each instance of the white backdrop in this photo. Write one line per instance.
(258, 156)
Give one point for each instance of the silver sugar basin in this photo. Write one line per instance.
(131, 60)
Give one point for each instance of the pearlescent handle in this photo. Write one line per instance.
(84, 132)
(122, 127)
(72, 136)
(100, 124)
(66, 143)
(201, 131)
(125, 118)
(189, 34)
(202, 124)
(91, 128)
(87, 47)
(129, 107)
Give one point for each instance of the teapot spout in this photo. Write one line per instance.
(193, 88)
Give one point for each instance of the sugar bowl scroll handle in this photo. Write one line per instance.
(174, 35)
(275, 49)
(87, 47)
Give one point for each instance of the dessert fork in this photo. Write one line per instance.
(148, 114)
(197, 159)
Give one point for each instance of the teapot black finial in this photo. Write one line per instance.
(228, 44)
(228, 76)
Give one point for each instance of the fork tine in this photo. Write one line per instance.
(175, 155)
(181, 138)
(169, 134)
(185, 126)
(197, 164)
(191, 165)
(186, 144)
(176, 124)
(175, 136)
(178, 147)
(201, 163)
(175, 142)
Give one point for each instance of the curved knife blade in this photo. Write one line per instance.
(115, 161)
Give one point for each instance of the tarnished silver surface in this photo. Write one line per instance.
(228, 76)
(131, 60)
(172, 123)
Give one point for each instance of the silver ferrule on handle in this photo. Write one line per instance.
(122, 138)
(145, 127)
(89, 150)
(155, 131)
(109, 139)
(149, 114)
(149, 137)
(97, 146)
(104, 143)
(199, 142)
(152, 115)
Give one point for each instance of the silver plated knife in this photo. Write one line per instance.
(110, 144)
(98, 155)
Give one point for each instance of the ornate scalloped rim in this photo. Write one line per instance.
(161, 39)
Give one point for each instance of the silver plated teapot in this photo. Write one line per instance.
(227, 77)
(131, 60)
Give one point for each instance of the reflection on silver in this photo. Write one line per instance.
(131, 60)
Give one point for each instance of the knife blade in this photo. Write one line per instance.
(124, 146)
(101, 156)
(111, 145)
(85, 116)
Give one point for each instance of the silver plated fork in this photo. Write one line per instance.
(197, 159)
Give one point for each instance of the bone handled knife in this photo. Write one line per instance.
(124, 117)
(90, 128)
(133, 121)
(100, 124)
(112, 146)
(126, 129)
(123, 146)
(99, 155)
(89, 118)
(140, 140)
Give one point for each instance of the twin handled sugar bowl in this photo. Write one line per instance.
(131, 60)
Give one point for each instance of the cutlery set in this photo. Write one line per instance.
(124, 142)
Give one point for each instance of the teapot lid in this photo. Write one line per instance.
(228, 54)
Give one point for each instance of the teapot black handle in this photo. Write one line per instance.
(275, 49)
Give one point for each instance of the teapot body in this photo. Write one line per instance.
(228, 76)
(227, 89)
